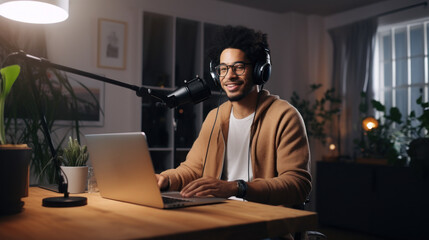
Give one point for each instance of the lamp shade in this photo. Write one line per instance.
(35, 11)
(369, 123)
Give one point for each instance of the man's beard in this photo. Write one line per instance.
(237, 98)
(245, 93)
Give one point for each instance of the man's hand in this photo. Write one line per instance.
(162, 181)
(206, 186)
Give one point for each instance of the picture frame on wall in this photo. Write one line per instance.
(91, 105)
(112, 44)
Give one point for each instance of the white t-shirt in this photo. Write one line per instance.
(237, 161)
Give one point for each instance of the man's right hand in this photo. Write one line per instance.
(162, 181)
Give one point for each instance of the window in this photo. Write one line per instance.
(401, 65)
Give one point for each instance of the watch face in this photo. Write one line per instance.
(242, 188)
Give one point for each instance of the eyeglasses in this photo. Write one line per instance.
(238, 68)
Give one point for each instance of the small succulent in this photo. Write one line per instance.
(74, 154)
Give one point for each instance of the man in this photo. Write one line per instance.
(270, 129)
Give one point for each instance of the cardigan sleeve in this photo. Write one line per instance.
(191, 169)
(283, 176)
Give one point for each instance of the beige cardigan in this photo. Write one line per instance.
(279, 152)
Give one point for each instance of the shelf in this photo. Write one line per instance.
(174, 50)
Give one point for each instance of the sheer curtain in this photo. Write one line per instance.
(352, 70)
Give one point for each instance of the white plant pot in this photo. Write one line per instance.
(77, 178)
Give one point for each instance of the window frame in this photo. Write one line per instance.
(379, 63)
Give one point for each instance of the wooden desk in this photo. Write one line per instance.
(108, 219)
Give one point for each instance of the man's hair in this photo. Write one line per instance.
(253, 43)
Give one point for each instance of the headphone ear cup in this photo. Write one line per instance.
(262, 70)
(214, 74)
(265, 73)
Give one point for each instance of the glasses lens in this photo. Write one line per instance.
(222, 70)
(239, 68)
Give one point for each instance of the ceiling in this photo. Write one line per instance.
(308, 7)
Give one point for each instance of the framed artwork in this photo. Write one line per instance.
(112, 47)
(90, 106)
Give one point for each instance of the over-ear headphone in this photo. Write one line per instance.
(261, 70)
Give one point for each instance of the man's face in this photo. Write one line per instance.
(236, 86)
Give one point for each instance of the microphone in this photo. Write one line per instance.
(194, 91)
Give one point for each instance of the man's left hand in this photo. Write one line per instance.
(209, 186)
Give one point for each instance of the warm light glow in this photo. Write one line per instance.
(332, 147)
(32, 11)
(369, 123)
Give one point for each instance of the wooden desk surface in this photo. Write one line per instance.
(109, 219)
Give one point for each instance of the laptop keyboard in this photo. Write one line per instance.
(168, 200)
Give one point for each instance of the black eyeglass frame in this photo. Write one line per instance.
(233, 67)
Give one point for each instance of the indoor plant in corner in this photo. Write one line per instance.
(74, 158)
(14, 158)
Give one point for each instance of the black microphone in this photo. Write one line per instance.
(194, 91)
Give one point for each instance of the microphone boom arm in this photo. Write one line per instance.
(140, 91)
(195, 90)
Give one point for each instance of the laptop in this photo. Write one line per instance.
(124, 172)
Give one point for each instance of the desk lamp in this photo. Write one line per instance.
(32, 11)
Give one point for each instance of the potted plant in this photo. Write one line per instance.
(379, 145)
(53, 99)
(14, 158)
(397, 136)
(74, 158)
(417, 128)
(317, 116)
(319, 113)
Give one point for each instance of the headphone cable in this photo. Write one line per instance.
(211, 133)
(250, 142)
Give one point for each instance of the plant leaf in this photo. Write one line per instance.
(395, 114)
(378, 106)
(9, 75)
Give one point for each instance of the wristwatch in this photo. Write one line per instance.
(242, 188)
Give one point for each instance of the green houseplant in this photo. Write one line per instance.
(8, 77)
(74, 158)
(392, 138)
(14, 159)
(318, 113)
(74, 155)
(53, 99)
